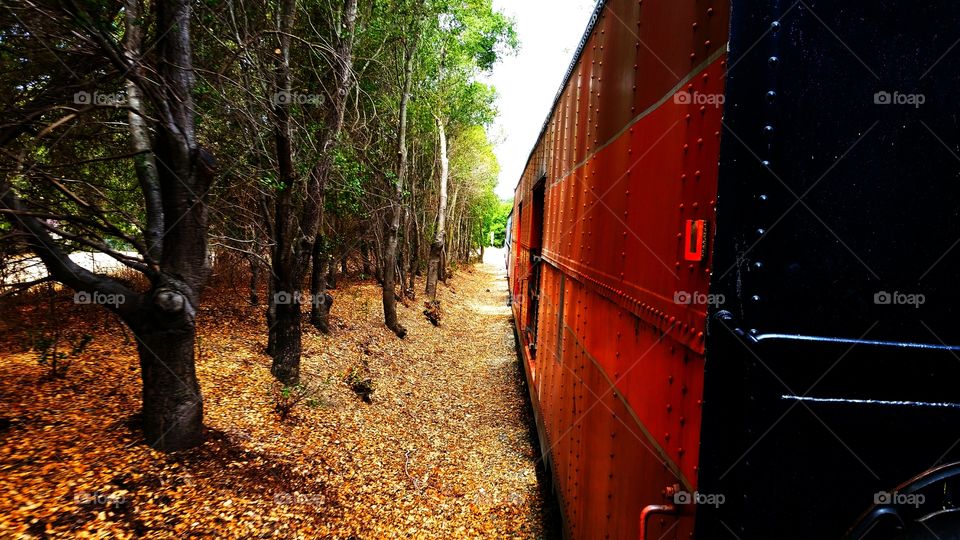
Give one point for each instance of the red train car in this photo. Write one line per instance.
(617, 229)
(610, 225)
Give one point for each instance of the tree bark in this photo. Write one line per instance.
(365, 254)
(436, 247)
(396, 203)
(172, 404)
(287, 275)
(321, 301)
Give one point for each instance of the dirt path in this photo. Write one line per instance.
(443, 450)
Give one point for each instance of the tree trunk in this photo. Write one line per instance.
(287, 347)
(321, 301)
(365, 254)
(331, 276)
(297, 220)
(436, 247)
(254, 279)
(172, 404)
(396, 204)
(285, 301)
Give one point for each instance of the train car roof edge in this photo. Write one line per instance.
(591, 24)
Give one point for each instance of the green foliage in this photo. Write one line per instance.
(286, 399)
(360, 382)
(497, 223)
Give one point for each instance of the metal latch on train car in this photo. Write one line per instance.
(695, 239)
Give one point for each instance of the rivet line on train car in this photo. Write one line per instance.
(706, 43)
(683, 420)
(696, 174)
(773, 61)
(700, 141)
(666, 436)
(669, 407)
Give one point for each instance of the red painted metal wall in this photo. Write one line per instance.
(629, 154)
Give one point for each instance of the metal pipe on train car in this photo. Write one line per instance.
(653, 509)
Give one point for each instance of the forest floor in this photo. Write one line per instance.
(443, 449)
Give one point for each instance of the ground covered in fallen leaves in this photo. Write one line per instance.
(442, 450)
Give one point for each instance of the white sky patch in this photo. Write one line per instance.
(549, 32)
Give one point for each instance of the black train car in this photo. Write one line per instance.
(826, 383)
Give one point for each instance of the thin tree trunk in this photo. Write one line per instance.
(436, 247)
(144, 163)
(254, 279)
(285, 345)
(396, 208)
(321, 301)
(365, 254)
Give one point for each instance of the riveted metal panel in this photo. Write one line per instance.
(617, 379)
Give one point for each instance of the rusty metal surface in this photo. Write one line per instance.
(617, 372)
